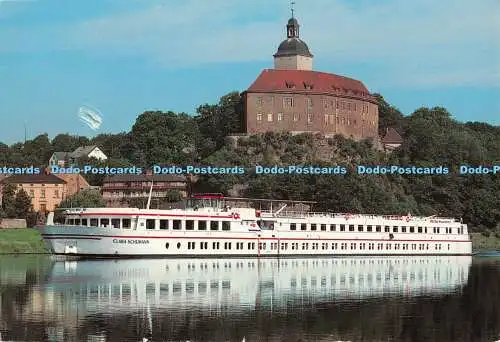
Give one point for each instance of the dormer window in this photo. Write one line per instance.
(308, 86)
(290, 85)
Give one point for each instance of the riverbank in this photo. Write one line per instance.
(21, 241)
(29, 241)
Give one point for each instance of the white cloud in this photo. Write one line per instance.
(422, 43)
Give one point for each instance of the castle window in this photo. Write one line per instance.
(270, 117)
(326, 119)
(325, 104)
(355, 107)
(309, 103)
(258, 101)
(259, 116)
(309, 118)
(348, 106)
(288, 102)
(280, 116)
(270, 101)
(295, 116)
(337, 105)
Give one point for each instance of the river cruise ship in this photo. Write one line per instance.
(209, 226)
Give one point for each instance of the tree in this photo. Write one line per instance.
(87, 198)
(8, 200)
(68, 143)
(389, 116)
(22, 204)
(216, 122)
(15, 203)
(160, 138)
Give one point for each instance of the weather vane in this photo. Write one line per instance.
(292, 3)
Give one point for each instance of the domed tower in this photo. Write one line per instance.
(293, 53)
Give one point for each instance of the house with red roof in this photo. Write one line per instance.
(391, 140)
(293, 97)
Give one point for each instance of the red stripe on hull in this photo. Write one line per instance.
(63, 236)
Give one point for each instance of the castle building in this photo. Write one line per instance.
(293, 97)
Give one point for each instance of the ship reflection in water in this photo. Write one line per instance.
(234, 299)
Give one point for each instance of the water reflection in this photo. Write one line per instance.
(250, 283)
(225, 300)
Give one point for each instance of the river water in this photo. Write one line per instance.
(326, 299)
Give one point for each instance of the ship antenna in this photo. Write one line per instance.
(150, 194)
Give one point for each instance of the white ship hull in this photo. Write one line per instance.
(216, 231)
(109, 242)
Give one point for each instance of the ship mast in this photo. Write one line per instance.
(150, 194)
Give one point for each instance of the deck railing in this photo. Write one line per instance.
(349, 216)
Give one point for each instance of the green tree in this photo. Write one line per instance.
(159, 137)
(87, 198)
(216, 122)
(8, 200)
(68, 143)
(22, 204)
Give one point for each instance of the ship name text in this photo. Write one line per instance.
(131, 241)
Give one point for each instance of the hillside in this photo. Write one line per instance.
(432, 138)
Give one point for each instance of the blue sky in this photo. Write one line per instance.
(127, 56)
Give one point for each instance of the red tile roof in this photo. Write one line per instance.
(33, 179)
(310, 82)
(392, 137)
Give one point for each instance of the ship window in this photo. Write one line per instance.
(395, 229)
(425, 230)
(369, 228)
(126, 223)
(378, 228)
(342, 227)
(323, 227)
(93, 222)
(332, 227)
(176, 224)
(419, 229)
(214, 225)
(84, 222)
(387, 229)
(189, 224)
(202, 225)
(360, 228)
(150, 224)
(351, 227)
(115, 223)
(412, 229)
(163, 224)
(303, 226)
(226, 225)
(293, 226)
(403, 229)
(313, 226)
(104, 222)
